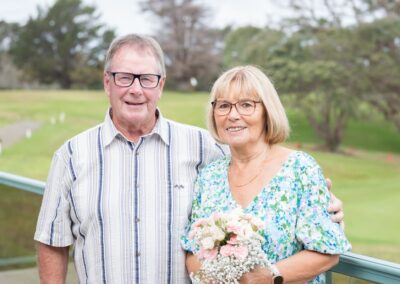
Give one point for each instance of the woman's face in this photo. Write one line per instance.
(238, 130)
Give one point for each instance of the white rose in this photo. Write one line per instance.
(217, 234)
(246, 232)
(207, 243)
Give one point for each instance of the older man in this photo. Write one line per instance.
(121, 192)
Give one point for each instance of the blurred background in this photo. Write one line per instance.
(335, 64)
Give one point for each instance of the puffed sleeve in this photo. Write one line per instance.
(314, 227)
(54, 222)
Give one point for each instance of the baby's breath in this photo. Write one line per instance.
(241, 234)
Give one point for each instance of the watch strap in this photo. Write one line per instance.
(276, 275)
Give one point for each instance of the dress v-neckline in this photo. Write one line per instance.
(250, 204)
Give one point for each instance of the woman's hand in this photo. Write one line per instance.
(193, 264)
(259, 275)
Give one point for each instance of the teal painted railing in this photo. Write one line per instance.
(350, 264)
(367, 268)
(23, 183)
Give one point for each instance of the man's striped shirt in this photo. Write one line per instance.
(125, 205)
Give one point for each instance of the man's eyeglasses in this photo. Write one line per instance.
(243, 107)
(147, 81)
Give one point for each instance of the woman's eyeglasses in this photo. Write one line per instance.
(243, 107)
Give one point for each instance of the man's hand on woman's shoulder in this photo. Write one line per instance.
(335, 207)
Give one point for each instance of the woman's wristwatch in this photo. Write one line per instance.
(277, 278)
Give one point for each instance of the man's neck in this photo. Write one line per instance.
(133, 132)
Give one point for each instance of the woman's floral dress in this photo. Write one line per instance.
(293, 206)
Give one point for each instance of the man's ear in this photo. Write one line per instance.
(161, 85)
(106, 83)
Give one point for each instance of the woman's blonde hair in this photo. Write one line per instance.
(250, 82)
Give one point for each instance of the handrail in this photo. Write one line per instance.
(17, 260)
(350, 264)
(24, 183)
(368, 268)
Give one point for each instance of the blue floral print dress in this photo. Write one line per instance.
(293, 206)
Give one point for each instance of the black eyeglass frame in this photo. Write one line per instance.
(214, 103)
(134, 77)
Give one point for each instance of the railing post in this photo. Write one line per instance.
(328, 277)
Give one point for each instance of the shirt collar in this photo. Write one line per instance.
(110, 132)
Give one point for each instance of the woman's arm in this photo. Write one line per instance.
(192, 262)
(305, 265)
(299, 268)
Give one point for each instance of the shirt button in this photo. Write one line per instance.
(137, 254)
(137, 153)
(137, 220)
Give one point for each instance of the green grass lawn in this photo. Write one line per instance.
(367, 181)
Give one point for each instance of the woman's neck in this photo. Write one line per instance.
(243, 157)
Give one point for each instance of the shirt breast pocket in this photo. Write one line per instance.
(183, 196)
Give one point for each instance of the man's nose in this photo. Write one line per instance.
(135, 85)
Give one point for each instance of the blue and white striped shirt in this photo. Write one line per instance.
(125, 205)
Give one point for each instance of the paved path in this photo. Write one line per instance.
(30, 276)
(12, 133)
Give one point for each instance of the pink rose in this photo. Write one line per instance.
(233, 240)
(207, 254)
(227, 250)
(199, 223)
(241, 252)
(233, 227)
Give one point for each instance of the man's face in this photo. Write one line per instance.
(133, 107)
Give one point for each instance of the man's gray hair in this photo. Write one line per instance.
(142, 43)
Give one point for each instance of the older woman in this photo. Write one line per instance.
(283, 187)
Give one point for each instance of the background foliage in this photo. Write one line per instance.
(64, 45)
(330, 57)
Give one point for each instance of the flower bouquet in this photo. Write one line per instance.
(229, 245)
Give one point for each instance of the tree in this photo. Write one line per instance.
(56, 45)
(331, 63)
(9, 74)
(316, 70)
(379, 57)
(371, 50)
(190, 46)
(251, 45)
(7, 34)
(303, 63)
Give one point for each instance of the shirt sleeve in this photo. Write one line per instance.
(54, 223)
(314, 227)
(212, 149)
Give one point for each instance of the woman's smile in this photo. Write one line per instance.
(235, 128)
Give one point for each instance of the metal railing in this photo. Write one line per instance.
(367, 268)
(23, 183)
(350, 264)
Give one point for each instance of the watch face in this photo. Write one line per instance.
(278, 279)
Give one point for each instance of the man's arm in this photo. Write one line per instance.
(52, 263)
